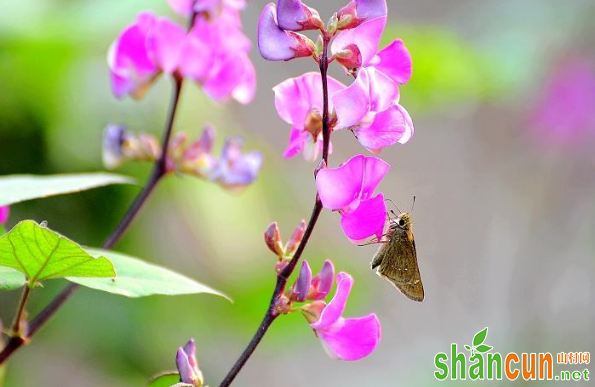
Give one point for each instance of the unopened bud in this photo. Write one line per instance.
(188, 366)
(296, 238)
(301, 287)
(322, 283)
(331, 28)
(272, 238)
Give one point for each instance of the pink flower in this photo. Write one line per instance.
(346, 339)
(349, 189)
(369, 107)
(299, 102)
(293, 15)
(275, 43)
(213, 53)
(356, 47)
(213, 7)
(188, 366)
(4, 213)
(132, 69)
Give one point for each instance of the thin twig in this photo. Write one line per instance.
(283, 277)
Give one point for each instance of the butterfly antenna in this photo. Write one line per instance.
(393, 203)
(412, 205)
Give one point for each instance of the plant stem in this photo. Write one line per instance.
(283, 277)
(159, 170)
(18, 319)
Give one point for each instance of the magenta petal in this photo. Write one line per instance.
(352, 339)
(182, 7)
(366, 37)
(353, 103)
(383, 90)
(322, 283)
(164, 43)
(246, 87)
(297, 141)
(391, 126)
(196, 58)
(4, 214)
(340, 187)
(374, 171)
(333, 311)
(368, 9)
(366, 220)
(224, 79)
(395, 61)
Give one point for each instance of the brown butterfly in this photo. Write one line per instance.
(396, 259)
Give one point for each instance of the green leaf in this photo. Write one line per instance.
(19, 188)
(42, 254)
(138, 278)
(11, 279)
(480, 337)
(468, 348)
(166, 379)
(483, 348)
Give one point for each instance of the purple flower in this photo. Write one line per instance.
(299, 102)
(356, 47)
(188, 366)
(235, 169)
(293, 15)
(4, 214)
(346, 339)
(275, 43)
(369, 107)
(349, 189)
(301, 287)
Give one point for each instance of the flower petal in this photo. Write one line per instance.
(366, 37)
(340, 187)
(297, 141)
(196, 57)
(353, 103)
(383, 90)
(333, 311)
(366, 220)
(352, 338)
(392, 126)
(234, 74)
(4, 214)
(395, 61)
(374, 171)
(368, 9)
(164, 42)
(293, 15)
(322, 283)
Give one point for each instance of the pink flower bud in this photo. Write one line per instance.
(322, 283)
(293, 15)
(275, 43)
(301, 287)
(4, 213)
(272, 238)
(296, 238)
(188, 366)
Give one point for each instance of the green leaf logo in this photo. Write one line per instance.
(478, 345)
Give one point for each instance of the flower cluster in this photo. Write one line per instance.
(343, 338)
(233, 170)
(213, 52)
(369, 107)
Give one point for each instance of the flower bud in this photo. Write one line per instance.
(296, 238)
(114, 137)
(272, 238)
(358, 11)
(277, 44)
(4, 214)
(333, 23)
(322, 283)
(301, 287)
(188, 366)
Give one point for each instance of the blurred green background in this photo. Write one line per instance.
(504, 220)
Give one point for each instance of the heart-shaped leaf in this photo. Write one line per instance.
(483, 348)
(138, 278)
(11, 279)
(166, 379)
(19, 188)
(480, 337)
(42, 254)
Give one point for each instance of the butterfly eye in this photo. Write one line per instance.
(401, 222)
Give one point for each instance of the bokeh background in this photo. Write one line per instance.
(502, 164)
